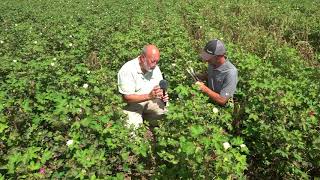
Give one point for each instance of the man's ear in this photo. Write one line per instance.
(141, 58)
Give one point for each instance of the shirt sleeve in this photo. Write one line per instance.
(229, 84)
(126, 81)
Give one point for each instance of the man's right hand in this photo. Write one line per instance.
(156, 93)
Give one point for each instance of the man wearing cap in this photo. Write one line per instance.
(222, 75)
(138, 82)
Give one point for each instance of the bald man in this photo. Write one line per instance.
(138, 82)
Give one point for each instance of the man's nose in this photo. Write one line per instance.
(153, 64)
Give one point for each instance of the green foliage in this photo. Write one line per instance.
(61, 114)
(191, 140)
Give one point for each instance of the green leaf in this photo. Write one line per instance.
(187, 147)
(34, 166)
(3, 127)
(46, 156)
(236, 141)
(26, 105)
(196, 130)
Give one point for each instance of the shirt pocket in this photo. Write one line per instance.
(218, 84)
(143, 85)
(139, 85)
(219, 80)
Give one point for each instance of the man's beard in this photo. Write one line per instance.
(146, 67)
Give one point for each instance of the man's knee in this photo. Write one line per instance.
(152, 111)
(134, 112)
(155, 111)
(155, 107)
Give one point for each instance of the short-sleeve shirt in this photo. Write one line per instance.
(131, 79)
(223, 79)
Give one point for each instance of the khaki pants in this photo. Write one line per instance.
(150, 111)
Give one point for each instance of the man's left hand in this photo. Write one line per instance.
(165, 98)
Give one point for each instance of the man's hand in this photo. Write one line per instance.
(213, 95)
(156, 93)
(165, 98)
(201, 85)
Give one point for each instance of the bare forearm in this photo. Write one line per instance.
(215, 96)
(136, 98)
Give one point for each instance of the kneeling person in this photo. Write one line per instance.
(138, 82)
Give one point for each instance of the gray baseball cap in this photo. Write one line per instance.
(212, 48)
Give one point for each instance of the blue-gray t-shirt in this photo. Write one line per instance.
(223, 79)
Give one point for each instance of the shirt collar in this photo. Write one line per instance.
(137, 64)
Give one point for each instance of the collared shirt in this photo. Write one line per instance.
(223, 79)
(131, 79)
